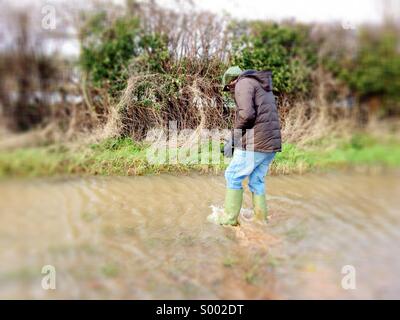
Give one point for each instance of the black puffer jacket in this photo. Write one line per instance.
(256, 109)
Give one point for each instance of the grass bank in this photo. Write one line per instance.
(125, 157)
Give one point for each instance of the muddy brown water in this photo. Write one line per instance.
(147, 237)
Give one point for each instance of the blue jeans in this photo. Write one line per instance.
(248, 164)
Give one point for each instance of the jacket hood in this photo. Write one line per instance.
(263, 77)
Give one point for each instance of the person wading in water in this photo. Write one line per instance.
(256, 139)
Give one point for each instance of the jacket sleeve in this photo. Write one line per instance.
(244, 97)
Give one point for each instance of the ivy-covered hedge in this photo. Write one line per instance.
(112, 51)
(373, 70)
(286, 50)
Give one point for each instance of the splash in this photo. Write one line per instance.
(246, 214)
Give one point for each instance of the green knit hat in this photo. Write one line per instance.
(229, 75)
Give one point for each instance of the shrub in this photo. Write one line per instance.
(107, 50)
(110, 49)
(286, 50)
(373, 70)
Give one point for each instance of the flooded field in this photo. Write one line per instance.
(148, 238)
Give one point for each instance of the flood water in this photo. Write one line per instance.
(148, 238)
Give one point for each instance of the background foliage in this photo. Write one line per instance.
(286, 50)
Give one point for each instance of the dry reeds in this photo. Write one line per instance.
(153, 100)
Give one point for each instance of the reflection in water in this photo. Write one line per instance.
(147, 237)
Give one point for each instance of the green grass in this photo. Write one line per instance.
(364, 150)
(125, 157)
(359, 151)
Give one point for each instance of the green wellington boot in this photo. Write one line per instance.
(233, 204)
(260, 208)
